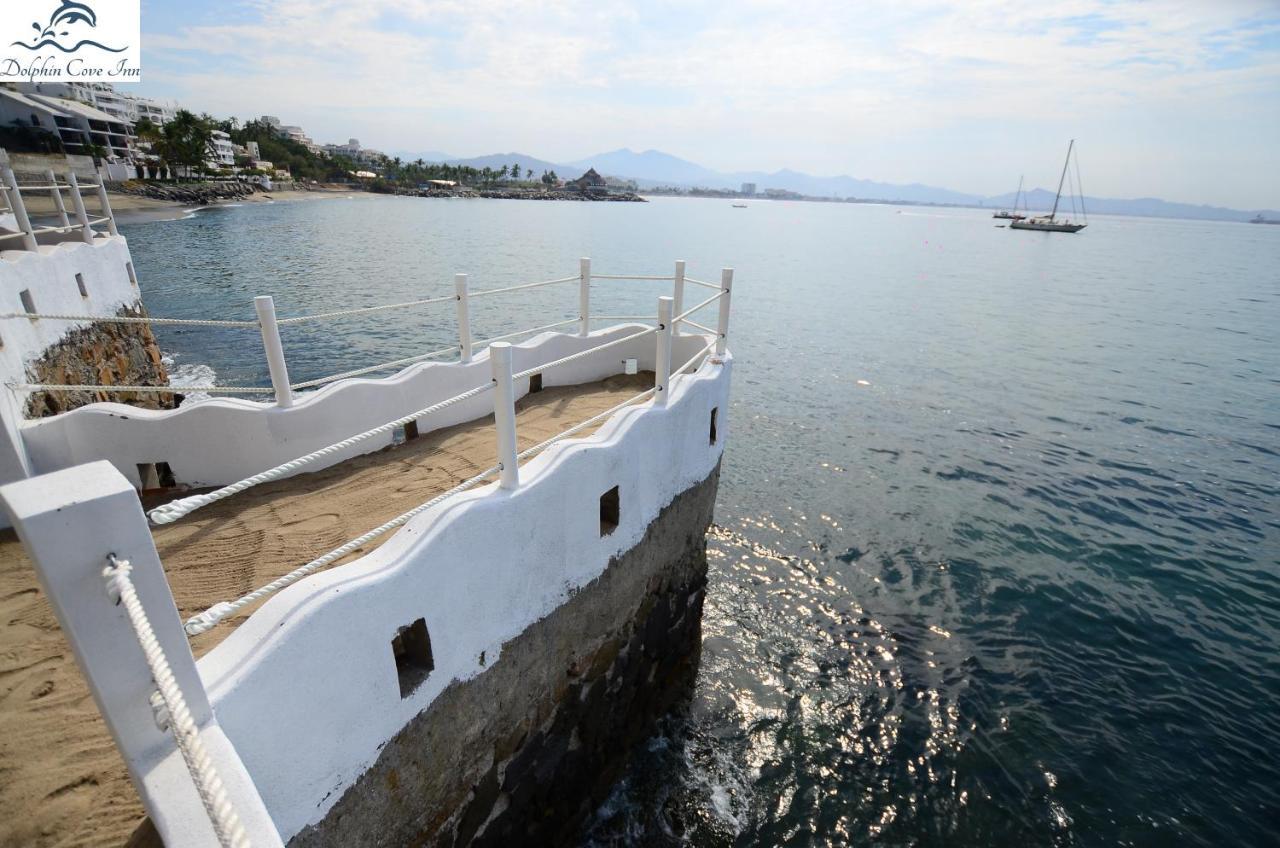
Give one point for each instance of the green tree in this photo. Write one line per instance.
(186, 140)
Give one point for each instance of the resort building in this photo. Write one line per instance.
(122, 106)
(221, 151)
(749, 189)
(353, 151)
(81, 129)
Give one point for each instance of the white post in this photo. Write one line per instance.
(464, 318)
(726, 285)
(20, 210)
(678, 292)
(504, 413)
(584, 295)
(662, 366)
(56, 194)
(106, 206)
(266, 307)
(77, 201)
(70, 521)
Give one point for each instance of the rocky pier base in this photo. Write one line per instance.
(198, 194)
(104, 354)
(523, 753)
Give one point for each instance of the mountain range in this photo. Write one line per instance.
(652, 169)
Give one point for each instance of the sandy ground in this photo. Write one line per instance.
(131, 208)
(62, 782)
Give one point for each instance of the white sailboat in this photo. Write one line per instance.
(1014, 215)
(1050, 223)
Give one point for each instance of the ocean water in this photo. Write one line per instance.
(997, 555)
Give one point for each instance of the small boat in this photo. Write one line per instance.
(1012, 215)
(1050, 223)
(739, 206)
(1262, 220)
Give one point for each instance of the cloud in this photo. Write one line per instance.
(811, 85)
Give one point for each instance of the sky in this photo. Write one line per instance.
(1178, 99)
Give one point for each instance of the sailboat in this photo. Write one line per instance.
(1050, 223)
(1014, 215)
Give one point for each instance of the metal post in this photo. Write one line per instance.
(464, 318)
(662, 366)
(726, 285)
(678, 292)
(77, 201)
(70, 522)
(584, 295)
(20, 210)
(266, 307)
(504, 413)
(106, 206)
(56, 194)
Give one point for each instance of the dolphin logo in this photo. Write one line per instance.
(67, 14)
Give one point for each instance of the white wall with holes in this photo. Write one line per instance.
(45, 281)
(222, 440)
(308, 690)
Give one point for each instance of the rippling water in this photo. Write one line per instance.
(998, 548)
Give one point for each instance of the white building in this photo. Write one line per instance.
(353, 151)
(81, 128)
(102, 96)
(222, 153)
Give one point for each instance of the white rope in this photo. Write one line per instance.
(364, 310)
(164, 390)
(702, 283)
(532, 330)
(171, 512)
(129, 319)
(701, 327)
(483, 292)
(408, 360)
(629, 277)
(564, 360)
(209, 618)
(694, 309)
(204, 774)
(623, 318)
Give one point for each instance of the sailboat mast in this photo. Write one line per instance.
(1062, 179)
(1018, 196)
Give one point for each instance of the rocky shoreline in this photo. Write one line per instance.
(199, 194)
(524, 194)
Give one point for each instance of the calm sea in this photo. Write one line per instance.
(998, 549)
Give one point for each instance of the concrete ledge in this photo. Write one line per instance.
(523, 752)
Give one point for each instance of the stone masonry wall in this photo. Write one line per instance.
(523, 753)
(101, 354)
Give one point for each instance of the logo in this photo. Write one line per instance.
(50, 40)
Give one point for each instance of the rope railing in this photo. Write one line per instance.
(186, 733)
(573, 357)
(629, 277)
(395, 363)
(701, 327)
(219, 612)
(174, 510)
(163, 390)
(693, 309)
(505, 289)
(541, 329)
(364, 310)
(131, 319)
(702, 283)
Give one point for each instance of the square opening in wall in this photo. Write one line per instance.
(609, 511)
(713, 424)
(28, 303)
(84, 292)
(535, 383)
(412, 650)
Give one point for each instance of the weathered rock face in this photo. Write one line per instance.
(198, 193)
(522, 753)
(101, 354)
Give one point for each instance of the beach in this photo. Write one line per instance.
(133, 208)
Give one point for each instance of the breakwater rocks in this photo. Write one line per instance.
(101, 354)
(198, 194)
(526, 194)
(524, 752)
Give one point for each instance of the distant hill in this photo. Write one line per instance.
(655, 169)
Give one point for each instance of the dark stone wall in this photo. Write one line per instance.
(524, 752)
(101, 354)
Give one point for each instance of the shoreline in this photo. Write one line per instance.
(134, 209)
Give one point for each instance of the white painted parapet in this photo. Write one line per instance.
(72, 522)
(222, 440)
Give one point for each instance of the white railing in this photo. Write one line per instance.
(268, 325)
(28, 234)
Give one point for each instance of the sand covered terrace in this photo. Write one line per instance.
(62, 782)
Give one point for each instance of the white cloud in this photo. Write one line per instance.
(961, 95)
